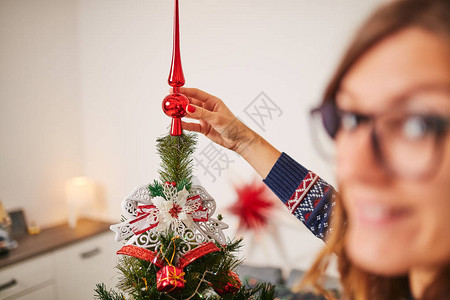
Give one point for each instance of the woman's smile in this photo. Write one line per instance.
(378, 215)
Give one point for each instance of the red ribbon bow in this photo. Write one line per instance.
(148, 215)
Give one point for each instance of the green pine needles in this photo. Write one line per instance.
(205, 275)
(176, 161)
(138, 280)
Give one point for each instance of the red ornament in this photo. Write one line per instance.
(176, 76)
(169, 278)
(173, 183)
(142, 253)
(174, 105)
(175, 210)
(230, 287)
(196, 253)
(253, 206)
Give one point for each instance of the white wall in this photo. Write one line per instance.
(115, 66)
(40, 120)
(234, 49)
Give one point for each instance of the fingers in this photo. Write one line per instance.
(191, 126)
(202, 127)
(200, 113)
(195, 102)
(201, 98)
(195, 93)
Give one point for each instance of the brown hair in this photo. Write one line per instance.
(433, 16)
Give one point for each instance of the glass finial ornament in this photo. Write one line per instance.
(174, 247)
(174, 105)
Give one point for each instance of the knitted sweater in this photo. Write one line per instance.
(305, 194)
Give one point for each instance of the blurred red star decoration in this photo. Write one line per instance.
(253, 206)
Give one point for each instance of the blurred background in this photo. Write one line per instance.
(82, 81)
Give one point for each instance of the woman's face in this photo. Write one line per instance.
(396, 222)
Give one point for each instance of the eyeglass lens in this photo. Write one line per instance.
(408, 144)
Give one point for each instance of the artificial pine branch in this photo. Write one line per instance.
(104, 294)
(203, 275)
(262, 291)
(138, 277)
(156, 189)
(184, 183)
(176, 161)
(234, 246)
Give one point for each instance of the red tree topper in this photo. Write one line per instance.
(253, 206)
(174, 105)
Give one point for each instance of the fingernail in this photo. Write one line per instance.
(191, 109)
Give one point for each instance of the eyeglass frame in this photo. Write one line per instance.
(441, 126)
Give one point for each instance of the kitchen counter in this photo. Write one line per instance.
(52, 238)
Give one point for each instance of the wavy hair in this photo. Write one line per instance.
(430, 15)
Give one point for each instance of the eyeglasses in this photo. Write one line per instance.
(406, 144)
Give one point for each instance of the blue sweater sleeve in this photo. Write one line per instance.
(305, 194)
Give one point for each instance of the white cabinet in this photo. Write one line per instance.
(70, 272)
(81, 266)
(28, 280)
(47, 292)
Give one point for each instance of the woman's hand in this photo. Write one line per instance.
(221, 126)
(217, 122)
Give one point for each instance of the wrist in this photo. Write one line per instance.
(259, 153)
(248, 143)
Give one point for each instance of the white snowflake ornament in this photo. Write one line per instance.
(186, 213)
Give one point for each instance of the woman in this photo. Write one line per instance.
(387, 109)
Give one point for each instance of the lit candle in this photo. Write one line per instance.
(79, 191)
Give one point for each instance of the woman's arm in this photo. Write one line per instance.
(306, 195)
(221, 126)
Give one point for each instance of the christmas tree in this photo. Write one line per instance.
(174, 248)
